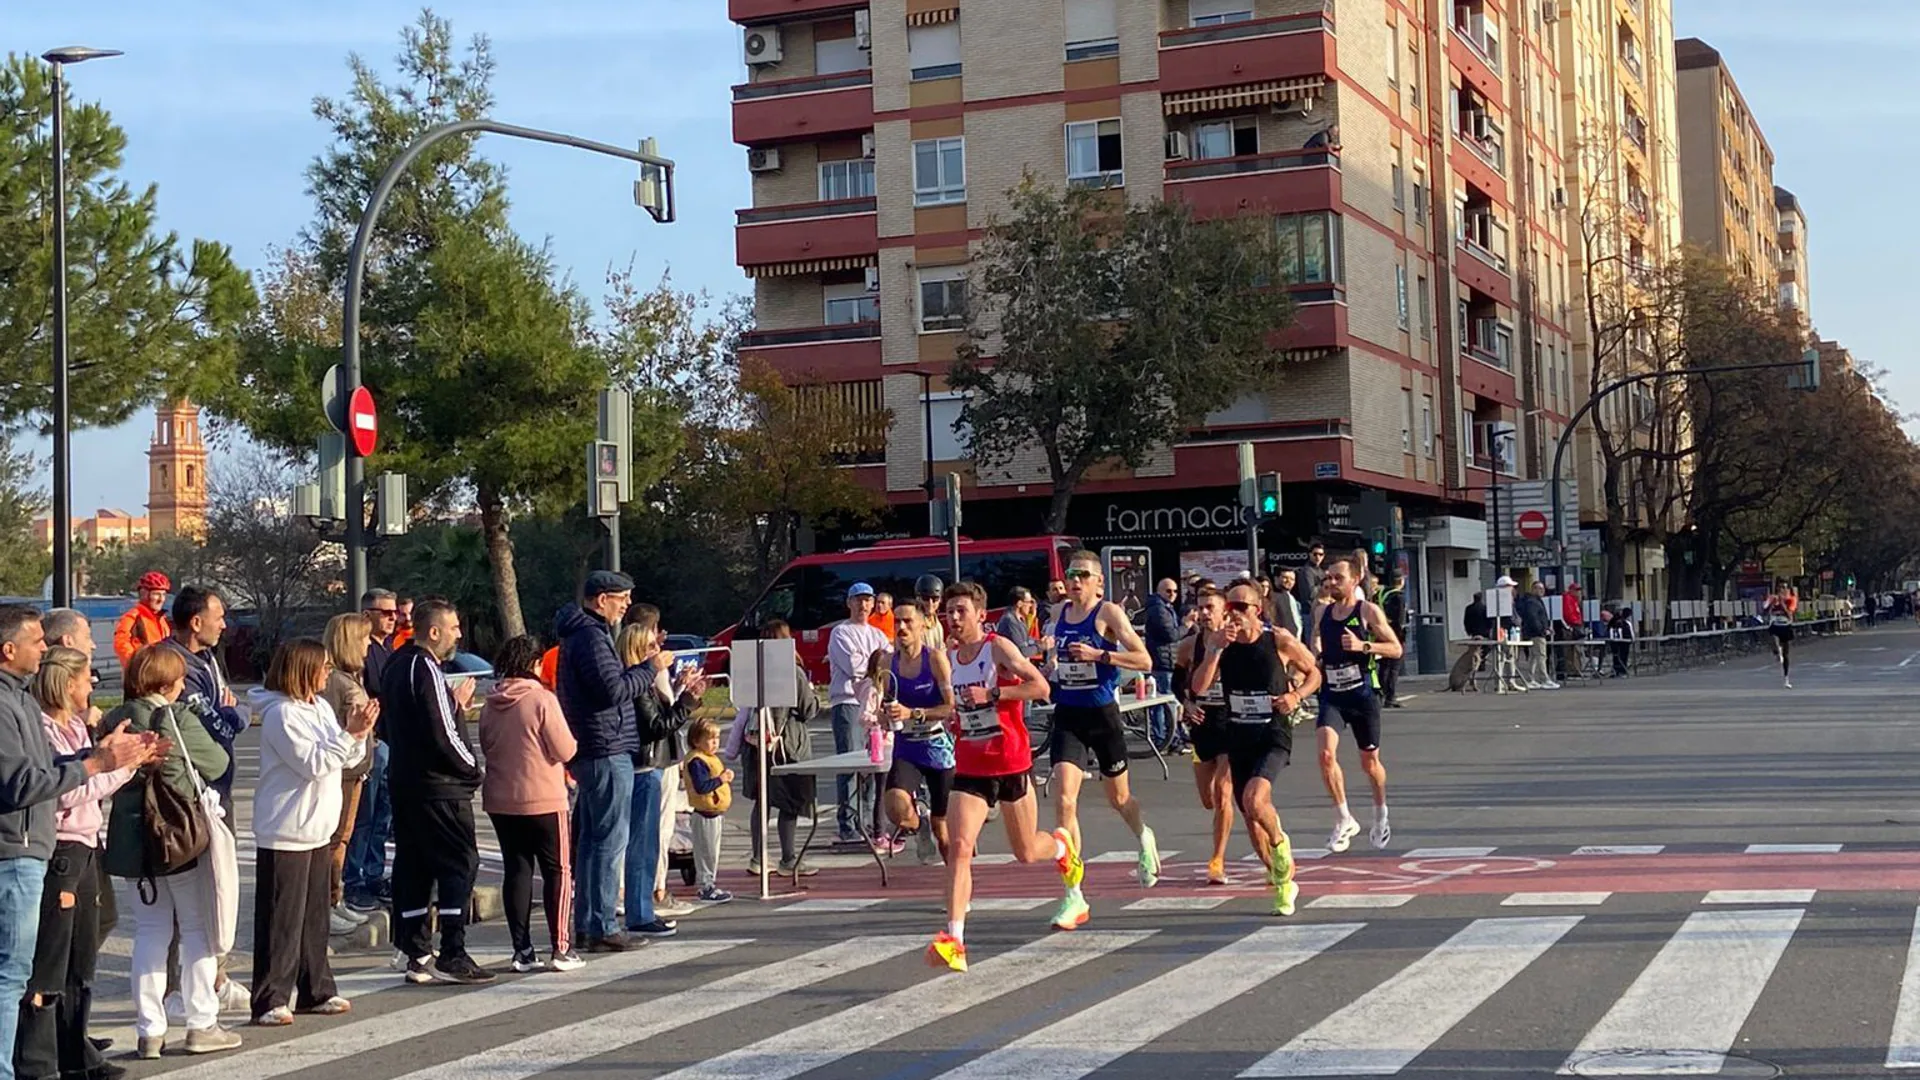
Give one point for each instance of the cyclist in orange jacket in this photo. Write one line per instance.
(145, 623)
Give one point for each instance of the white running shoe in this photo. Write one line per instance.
(1789, 683)
(234, 997)
(1343, 833)
(1382, 831)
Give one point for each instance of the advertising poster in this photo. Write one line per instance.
(1129, 572)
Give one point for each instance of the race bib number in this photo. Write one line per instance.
(1343, 678)
(1216, 695)
(1250, 708)
(1782, 620)
(1077, 673)
(981, 723)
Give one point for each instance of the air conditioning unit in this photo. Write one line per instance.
(761, 45)
(863, 29)
(866, 144)
(873, 279)
(764, 159)
(1549, 11)
(1179, 146)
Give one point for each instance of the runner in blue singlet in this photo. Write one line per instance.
(917, 708)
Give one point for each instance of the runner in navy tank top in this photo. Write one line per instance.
(917, 708)
(1205, 716)
(1092, 640)
(1351, 634)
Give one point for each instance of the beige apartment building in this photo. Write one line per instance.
(1413, 157)
(1790, 243)
(1726, 167)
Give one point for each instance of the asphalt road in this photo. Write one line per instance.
(1696, 874)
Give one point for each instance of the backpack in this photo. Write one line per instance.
(714, 803)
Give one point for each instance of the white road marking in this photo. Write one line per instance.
(1088, 1041)
(998, 858)
(439, 1011)
(1360, 900)
(1128, 857)
(1448, 852)
(1909, 660)
(1620, 849)
(1395, 1022)
(852, 1030)
(1792, 849)
(1177, 903)
(815, 907)
(1903, 1047)
(1010, 903)
(1555, 899)
(562, 1047)
(1759, 896)
(1690, 1002)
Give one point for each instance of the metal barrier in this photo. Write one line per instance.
(1509, 662)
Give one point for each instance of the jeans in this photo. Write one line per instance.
(849, 734)
(53, 1034)
(367, 849)
(1160, 717)
(643, 847)
(22, 882)
(601, 830)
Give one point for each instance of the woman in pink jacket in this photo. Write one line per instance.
(527, 745)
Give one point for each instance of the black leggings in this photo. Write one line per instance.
(1784, 643)
(530, 843)
(784, 821)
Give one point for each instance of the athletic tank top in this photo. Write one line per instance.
(1081, 683)
(1777, 613)
(928, 745)
(1345, 673)
(1252, 674)
(990, 740)
(1213, 703)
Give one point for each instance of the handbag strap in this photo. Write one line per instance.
(199, 785)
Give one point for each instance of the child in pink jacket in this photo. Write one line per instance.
(527, 745)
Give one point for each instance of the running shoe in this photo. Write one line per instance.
(714, 894)
(1344, 831)
(1149, 858)
(926, 850)
(1382, 830)
(565, 961)
(459, 969)
(1216, 872)
(1788, 682)
(1072, 870)
(524, 962)
(948, 952)
(1280, 876)
(1073, 911)
(419, 970)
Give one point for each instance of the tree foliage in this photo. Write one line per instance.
(26, 564)
(147, 317)
(1103, 333)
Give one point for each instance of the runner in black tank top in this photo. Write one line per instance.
(1352, 634)
(1206, 718)
(1252, 663)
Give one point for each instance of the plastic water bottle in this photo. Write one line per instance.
(876, 745)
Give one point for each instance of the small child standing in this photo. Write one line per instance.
(706, 782)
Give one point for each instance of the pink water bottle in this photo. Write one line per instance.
(876, 745)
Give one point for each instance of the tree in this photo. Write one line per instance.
(264, 558)
(1104, 332)
(145, 320)
(25, 568)
(114, 568)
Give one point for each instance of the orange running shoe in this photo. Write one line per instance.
(1072, 870)
(1216, 872)
(948, 952)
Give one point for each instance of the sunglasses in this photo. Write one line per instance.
(1243, 607)
(1079, 575)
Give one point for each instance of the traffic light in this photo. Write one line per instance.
(1267, 503)
(1378, 543)
(943, 513)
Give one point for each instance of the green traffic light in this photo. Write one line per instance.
(1379, 548)
(1269, 505)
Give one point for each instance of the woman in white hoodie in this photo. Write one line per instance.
(296, 808)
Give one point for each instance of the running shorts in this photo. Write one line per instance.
(1359, 712)
(906, 776)
(1209, 741)
(1078, 729)
(1782, 633)
(1256, 754)
(993, 790)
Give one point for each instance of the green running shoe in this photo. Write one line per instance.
(1149, 859)
(1073, 911)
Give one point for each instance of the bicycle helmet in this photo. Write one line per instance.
(928, 585)
(154, 581)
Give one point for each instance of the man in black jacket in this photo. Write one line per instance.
(1163, 640)
(432, 775)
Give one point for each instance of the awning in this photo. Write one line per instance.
(933, 18)
(1240, 97)
(812, 266)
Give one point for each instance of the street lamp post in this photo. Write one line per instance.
(62, 421)
(654, 192)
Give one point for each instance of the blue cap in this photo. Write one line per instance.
(860, 588)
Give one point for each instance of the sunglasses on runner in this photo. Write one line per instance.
(1079, 574)
(1243, 607)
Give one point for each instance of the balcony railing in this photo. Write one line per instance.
(1485, 254)
(1283, 24)
(1487, 150)
(1273, 161)
(805, 84)
(810, 335)
(1486, 48)
(757, 215)
(1631, 58)
(1487, 356)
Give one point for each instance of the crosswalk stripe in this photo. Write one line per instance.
(1360, 900)
(1687, 1006)
(1389, 1026)
(1449, 852)
(1903, 1048)
(1166, 856)
(1555, 899)
(851, 1031)
(1008, 903)
(1759, 896)
(565, 1046)
(1792, 849)
(1620, 849)
(1087, 1041)
(817, 907)
(997, 858)
(1177, 903)
(446, 1010)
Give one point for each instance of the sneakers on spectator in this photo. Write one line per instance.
(672, 908)
(807, 869)
(614, 942)
(714, 894)
(419, 970)
(211, 1040)
(338, 924)
(658, 928)
(460, 969)
(524, 962)
(565, 961)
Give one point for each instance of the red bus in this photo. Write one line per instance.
(811, 593)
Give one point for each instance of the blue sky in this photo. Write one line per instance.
(215, 98)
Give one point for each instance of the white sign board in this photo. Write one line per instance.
(764, 674)
(1219, 567)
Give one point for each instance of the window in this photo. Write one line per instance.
(933, 52)
(851, 179)
(1419, 195)
(834, 55)
(950, 436)
(1400, 290)
(943, 298)
(1093, 154)
(1238, 137)
(1393, 49)
(1426, 309)
(1426, 424)
(939, 171)
(1308, 248)
(851, 303)
(1218, 12)
(1399, 187)
(1406, 421)
(1092, 29)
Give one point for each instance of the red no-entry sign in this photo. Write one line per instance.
(1531, 525)
(363, 426)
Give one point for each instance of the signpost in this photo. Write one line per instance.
(363, 424)
(1531, 525)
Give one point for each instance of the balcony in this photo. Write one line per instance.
(838, 352)
(1259, 50)
(761, 11)
(1477, 55)
(809, 107)
(801, 232)
(1484, 270)
(1289, 180)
